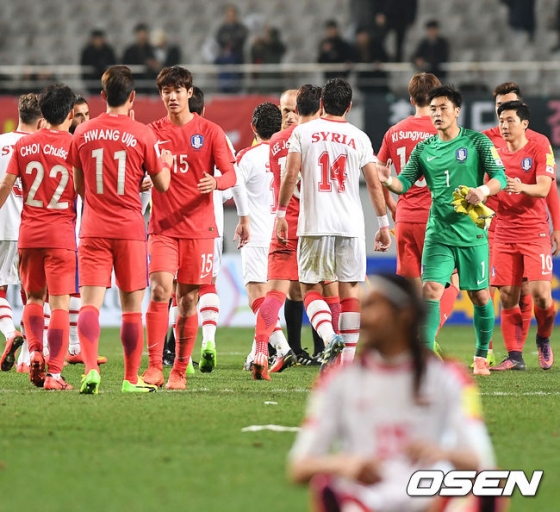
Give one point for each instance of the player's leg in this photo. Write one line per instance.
(526, 307)
(164, 261)
(507, 266)
(209, 307)
(95, 265)
(293, 314)
(473, 268)
(438, 262)
(256, 293)
(538, 269)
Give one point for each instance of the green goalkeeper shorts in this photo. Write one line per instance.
(439, 261)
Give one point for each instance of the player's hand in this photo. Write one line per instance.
(555, 238)
(358, 469)
(382, 240)
(513, 185)
(207, 184)
(242, 233)
(475, 196)
(146, 185)
(384, 171)
(167, 158)
(282, 230)
(424, 453)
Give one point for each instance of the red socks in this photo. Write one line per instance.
(34, 321)
(185, 337)
(132, 339)
(447, 303)
(58, 336)
(88, 332)
(157, 322)
(545, 320)
(512, 329)
(526, 305)
(267, 318)
(334, 305)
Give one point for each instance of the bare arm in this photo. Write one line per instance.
(376, 195)
(162, 179)
(539, 189)
(385, 178)
(6, 186)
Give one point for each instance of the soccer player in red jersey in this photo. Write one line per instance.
(522, 245)
(110, 155)
(47, 241)
(410, 213)
(182, 226)
(510, 91)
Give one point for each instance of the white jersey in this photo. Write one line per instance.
(333, 154)
(10, 213)
(221, 196)
(376, 415)
(254, 194)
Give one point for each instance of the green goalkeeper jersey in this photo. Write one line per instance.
(446, 165)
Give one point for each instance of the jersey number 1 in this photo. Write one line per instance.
(332, 173)
(120, 156)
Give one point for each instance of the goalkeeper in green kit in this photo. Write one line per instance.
(455, 158)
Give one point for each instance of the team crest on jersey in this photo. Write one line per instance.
(197, 141)
(526, 164)
(461, 154)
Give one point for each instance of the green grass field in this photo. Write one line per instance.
(186, 451)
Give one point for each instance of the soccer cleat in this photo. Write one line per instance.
(491, 358)
(78, 359)
(481, 366)
(546, 357)
(37, 373)
(9, 355)
(260, 367)
(304, 359)
(22, 368)
(139, 387)
(332, 351)
(283, 361)
(168, 357)
(437, 350)
(56, 383)
(176, 381)
(153, 377)
(207, 357)
(190, 368)
(90, 383)
(509, 364)
(248, 365)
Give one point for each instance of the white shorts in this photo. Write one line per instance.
(218, 249)
(331, 258)
(254, 262)
(9, 260)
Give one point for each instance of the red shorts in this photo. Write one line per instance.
(490, 244)
(190, 260)
(410, 243)
(54, 269)
(98, 256)
(511, 262)
(282, 261)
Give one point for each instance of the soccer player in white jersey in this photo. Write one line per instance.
(30, 120)
(254, 198)
(399, 409)
(331, 154)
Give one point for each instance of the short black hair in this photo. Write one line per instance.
(521, 109)
(80, 100)
(308, 99)
(56, 101)
(118, 83)
(141, 27)
(28, 108)
(97, 32)
(196, 101)
(432, 24)
(174, 76)
(267, 120)
(336, 96)
(446, 91)
(331, 24)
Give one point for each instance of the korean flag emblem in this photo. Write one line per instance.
(197, 141)
(461, 154)
(526, 164)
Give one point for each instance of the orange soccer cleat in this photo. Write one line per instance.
(153, 376)
(78, 359)
(37, 373)
(481, 366)
(9, 355)
(260, 367)
(176, 381)
(56, 383)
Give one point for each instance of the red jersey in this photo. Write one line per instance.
(552, 198)
(197, 147)
(278, 156)
(522, 218)
(398, 143)
(49, 209)
(114, 151)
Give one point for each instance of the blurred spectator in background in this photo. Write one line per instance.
(165, 54)
(400, 15)
(432, 51)
(522, 16)
(141, 53)
(99, 55)
(369, 49)
(231, 37)
(268, 48)
(334, 50)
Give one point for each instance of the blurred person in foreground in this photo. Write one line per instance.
(399, 409)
